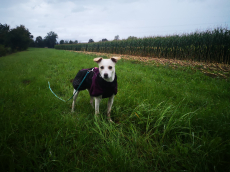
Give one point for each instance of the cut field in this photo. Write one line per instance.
(166, 118)
(215, 70)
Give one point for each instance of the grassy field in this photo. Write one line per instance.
(165, 119)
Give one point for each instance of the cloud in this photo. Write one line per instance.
(85, 19)
(78, 9)
(42, 26)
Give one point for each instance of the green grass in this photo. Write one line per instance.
(165, 119)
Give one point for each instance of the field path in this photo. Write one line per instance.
(210, 69)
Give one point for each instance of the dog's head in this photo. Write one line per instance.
(107, 67)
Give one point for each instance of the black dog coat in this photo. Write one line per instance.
(95, 83)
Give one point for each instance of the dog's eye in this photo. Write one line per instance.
(102, 67)
(110, 67)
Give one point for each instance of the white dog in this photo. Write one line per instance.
(100, 82)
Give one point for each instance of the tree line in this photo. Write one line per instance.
(16, 39)
(50, 40)
(76, 41)
(91, 40)
(20, 38)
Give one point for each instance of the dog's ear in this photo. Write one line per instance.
(114, 59)
(98, 60)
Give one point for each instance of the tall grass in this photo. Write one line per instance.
(210, 45)
(165, 119)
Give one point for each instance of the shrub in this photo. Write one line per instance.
(2, 50)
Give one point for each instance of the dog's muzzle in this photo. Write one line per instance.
(106, 75)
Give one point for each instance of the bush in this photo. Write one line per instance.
(8, 50)
(2, 50)
(5, 50)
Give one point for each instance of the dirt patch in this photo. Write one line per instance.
(210, 69)
(213, 75)
(26, 81)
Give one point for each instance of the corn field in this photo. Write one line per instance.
(209, 46)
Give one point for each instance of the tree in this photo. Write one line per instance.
(4, 30)
(132, 37)
(76, 42)
(39, 42)
(90, 41)
(51, 39)
(32, 43)
(62, 42)
(19, 38)
(103, 40)
(116, 37)
(66, 42)
(70, 42)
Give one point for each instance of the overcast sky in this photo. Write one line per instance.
(97, 19)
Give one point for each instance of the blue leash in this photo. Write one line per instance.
(74, 92)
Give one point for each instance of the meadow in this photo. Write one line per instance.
(165, 119)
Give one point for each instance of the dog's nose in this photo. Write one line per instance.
(106, 75)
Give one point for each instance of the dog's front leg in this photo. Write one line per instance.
(97, 104)
(91, 100)
(109, 107)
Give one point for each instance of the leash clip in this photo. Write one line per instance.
(91, 70)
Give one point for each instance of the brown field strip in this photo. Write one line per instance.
(210, 69)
